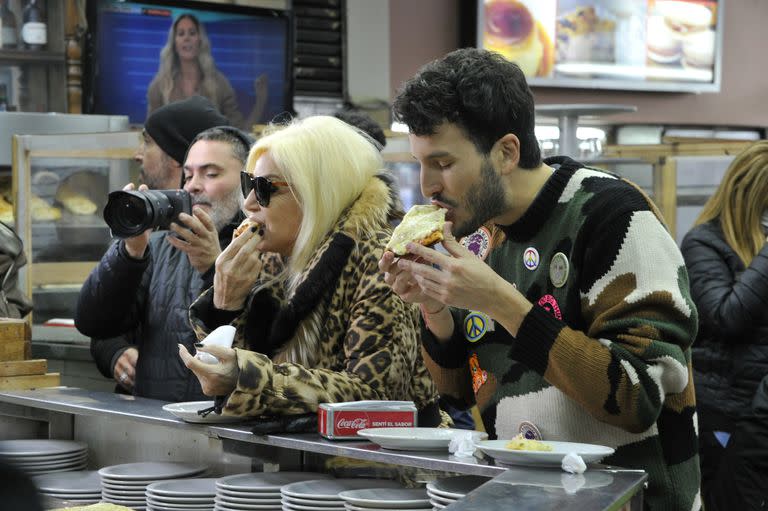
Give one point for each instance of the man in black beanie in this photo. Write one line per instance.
(167, 134)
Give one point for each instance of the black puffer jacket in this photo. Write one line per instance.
(730, 355)
(147, 301)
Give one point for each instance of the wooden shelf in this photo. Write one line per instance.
(31, 56)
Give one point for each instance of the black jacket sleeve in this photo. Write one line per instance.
(106, 351)
(112, 296)
(730, 301)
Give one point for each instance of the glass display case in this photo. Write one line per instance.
(56, 195)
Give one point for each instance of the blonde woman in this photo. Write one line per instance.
(315, 320)
(727, 259)
(187, 69)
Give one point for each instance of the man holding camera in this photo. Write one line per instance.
(134, 303)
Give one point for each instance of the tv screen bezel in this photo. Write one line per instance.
(90, 73)
(626, 85)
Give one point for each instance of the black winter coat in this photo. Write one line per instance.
(730, 355)
(146, 301)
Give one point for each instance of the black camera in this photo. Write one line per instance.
(129, 213)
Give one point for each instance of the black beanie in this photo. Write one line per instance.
(173, 126)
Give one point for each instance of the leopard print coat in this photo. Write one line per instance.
(337, 339)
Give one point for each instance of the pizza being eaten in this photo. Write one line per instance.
(248, 224)
(422, 224)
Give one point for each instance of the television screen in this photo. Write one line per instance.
(248, 67)
(664, 45)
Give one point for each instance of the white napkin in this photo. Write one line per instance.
(573, 463)
(462, 444)
(222, 336)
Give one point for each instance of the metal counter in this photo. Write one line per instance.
(527, 487)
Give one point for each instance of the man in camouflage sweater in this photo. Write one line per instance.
(578, 325)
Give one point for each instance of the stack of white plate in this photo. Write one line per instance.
(182, 494)
(126, 484)
(386, 498)
(82, 487)
(258, 490)
(37, 457)
(446, 491)
(324, 494)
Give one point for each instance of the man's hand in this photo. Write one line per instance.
(199, 239)
(461, 280)
(215, 379)
(137, 245)
(125, 368)
(403, 282)
(237, 269)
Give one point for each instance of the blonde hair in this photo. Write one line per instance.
(170, 65)
(327, 164)
(740, 200)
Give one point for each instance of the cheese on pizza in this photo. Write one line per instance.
(422, 224)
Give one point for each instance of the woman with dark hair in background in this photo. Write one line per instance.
(187, 69)
(727, 259)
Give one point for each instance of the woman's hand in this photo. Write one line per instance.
(237, 269)
(215, 379)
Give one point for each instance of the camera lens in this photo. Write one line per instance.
(129, 213)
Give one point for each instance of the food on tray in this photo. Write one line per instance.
(583, 36)
(422, 224)
(42, 211)
(75, 202)
(512, 31)
(520, 443)
(245, 225)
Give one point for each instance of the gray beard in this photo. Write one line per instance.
(224, 209)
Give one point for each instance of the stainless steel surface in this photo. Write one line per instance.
(28, 123)
(123, 417)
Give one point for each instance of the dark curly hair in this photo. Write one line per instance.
(363, 122)
(481, 92)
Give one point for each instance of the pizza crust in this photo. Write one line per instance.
(245, 225)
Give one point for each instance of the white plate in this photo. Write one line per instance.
(187, 412)
(352, 507)
(321, 504)
(42, 448)
(244, 503)
(298, 507)
(198, 487)
(180, 506)
(455, 487)
(330, 489)
(386, 498)
(416, 439)
(270, 507)
(236, 496)
(269, 482)
(497, 450)
(148, 470)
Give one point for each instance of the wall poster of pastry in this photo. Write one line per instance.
(671, 45)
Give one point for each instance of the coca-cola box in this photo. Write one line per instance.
(337, 421)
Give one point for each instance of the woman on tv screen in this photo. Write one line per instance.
(187, 69)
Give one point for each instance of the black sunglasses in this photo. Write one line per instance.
(263, 187)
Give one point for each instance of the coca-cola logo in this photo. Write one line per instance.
(357, 423)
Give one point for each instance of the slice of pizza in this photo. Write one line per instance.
(423, 224)
(245, 225)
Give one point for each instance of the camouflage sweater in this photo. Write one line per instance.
(604, 355)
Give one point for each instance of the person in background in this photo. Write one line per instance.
(315, 321)
(144, 285)
(364, 122)
(187, 69)
(577, 325)
(727, 258)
